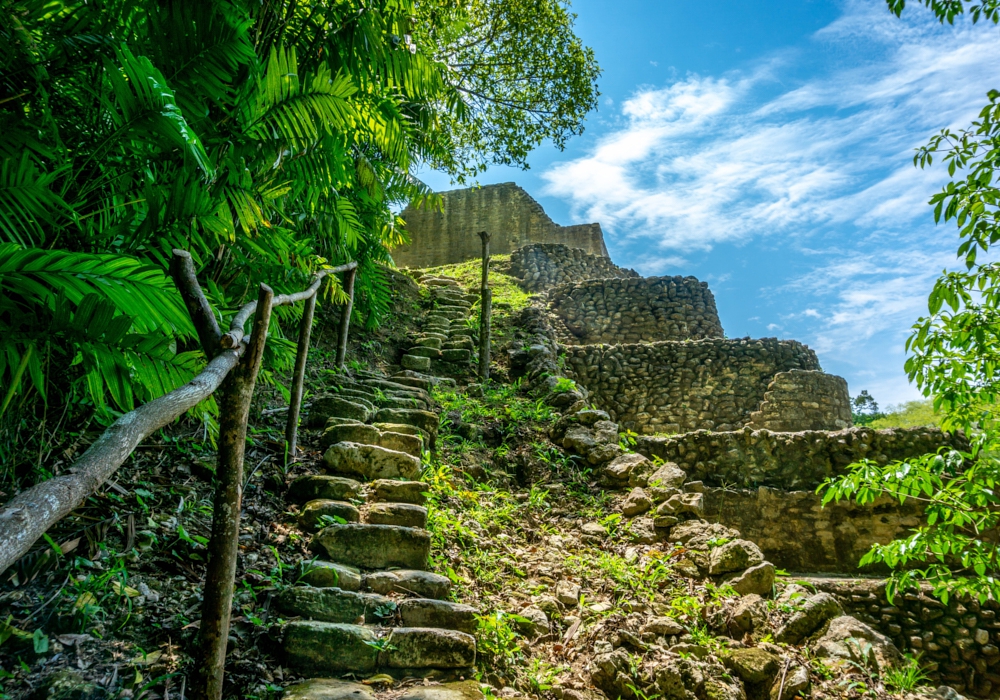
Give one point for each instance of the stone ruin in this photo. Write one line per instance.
(745, 429)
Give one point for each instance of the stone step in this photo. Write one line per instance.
(421, 364)
(326, 407)
(329, 574)
(312, 512)
(440, 282)
(370, 435)
(461, 342)
(405, 430)
(373, 386)
(469, 332)
(425, 420)
(330, 648)
(338, 605)
(369, 462)
(333, 689)
(312, 486)
(409, 582)
(394, 491)
(424, 351)
(430, 341)
(404, 514)
(403, 389)
(456, 355)
(425, 381)
(375, 546)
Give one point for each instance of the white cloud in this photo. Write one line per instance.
(706, 160)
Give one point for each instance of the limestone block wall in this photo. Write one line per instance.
(750, 458)
(797, 533)
(505, 210)
(645, 309)
(679, 386)
(959, 642)
(541, 266)
(803, 400)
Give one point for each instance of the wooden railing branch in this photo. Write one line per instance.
(202, 316)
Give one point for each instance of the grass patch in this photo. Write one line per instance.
(908, 415)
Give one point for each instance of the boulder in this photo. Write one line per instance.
(312, 486)
(328, 574)
(758, 579)
(611, 673)
(735, 555)
(796, 684)
(590, 416)
(568, 593)
(636, 503)
(370, 462)
(752, 665)
(393, 491)
(620, 468)
(814, 611)
(312, 513)
(642, 531)
(850, 639)
(662, 627)
(579, 439)
(533, 623)
(683, 504)
(376, 546)
(696, 534)
(748, 614)
(667, 475)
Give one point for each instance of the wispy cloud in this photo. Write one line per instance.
(707, 159)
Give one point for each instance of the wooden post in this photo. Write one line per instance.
(345, 316)
(485, 311)
(234, 410)
(298, 377)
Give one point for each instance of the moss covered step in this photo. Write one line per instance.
(388, 385)
(423, 380)
(312, 486)
(425, 420)
(338, 605)
(371, 435)
(422, 584)
(312, 512)
(369, 462)
(375, 546)
(405, 514)
(323, 648)
(333, 689)
(326, 407)
(329, 574)
(421, 364)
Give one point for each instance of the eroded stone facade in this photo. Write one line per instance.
(680, 386)
(505, 210)
(541, 266)
(804, 400)
(646, 309)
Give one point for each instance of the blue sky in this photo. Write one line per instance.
(766, 147)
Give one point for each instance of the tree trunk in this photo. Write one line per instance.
(298, 378)
(234, 409)
(345, 316)
(485, 311)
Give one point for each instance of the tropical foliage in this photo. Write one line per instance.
(267, 139)
(953, 358)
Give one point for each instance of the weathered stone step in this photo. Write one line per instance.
(456, 355)
(425, 420)
(404, 429)
(313, 512)
(387, 385)
(425, 381)
(404, 514)
(329, 574)
(325, 407)
(323, 648)
(333, 689)
(375, 546)
(369, 462)
(422, 584)
(461, 342)
(393, 491)
(338, 605)
(434, 340)
(424, 351)
(312, 486)
(416, 362)
(470, 332)
(370, 435)
(372, 385)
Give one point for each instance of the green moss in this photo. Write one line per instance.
(506, 291)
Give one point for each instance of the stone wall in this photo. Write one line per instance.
(679, 386)
(505, 210)
(802, 400)
(959, 642)
(541, 266)
(635, 310)
(751, 458)
(797, 533)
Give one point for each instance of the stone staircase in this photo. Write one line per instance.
(367, 605)
(447, 343)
